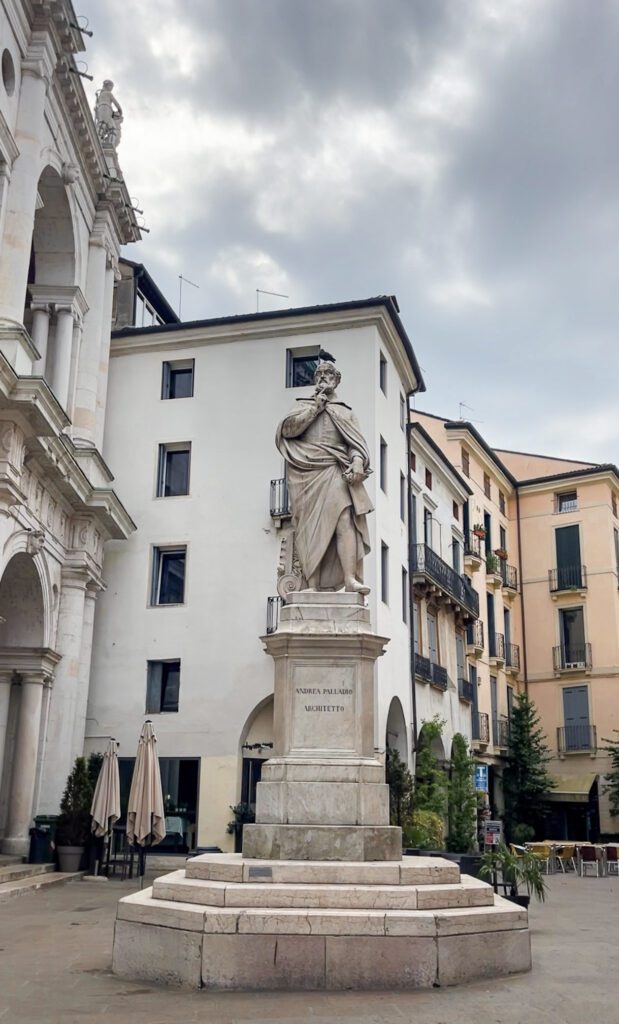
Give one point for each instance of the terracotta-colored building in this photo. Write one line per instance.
(550, 614)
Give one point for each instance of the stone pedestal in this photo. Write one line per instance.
(323, 794)
(321, 897)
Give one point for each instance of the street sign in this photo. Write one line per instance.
(481, 777)
(493, 833)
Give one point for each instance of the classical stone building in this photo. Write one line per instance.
(64, 212)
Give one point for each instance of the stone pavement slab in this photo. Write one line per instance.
(55, 960)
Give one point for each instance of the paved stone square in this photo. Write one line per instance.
(55, 950)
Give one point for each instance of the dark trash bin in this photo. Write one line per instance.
(42, 836)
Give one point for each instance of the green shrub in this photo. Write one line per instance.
(521, 834)
(424, 830)
(462, 816)
(400, 782)
(73, 827)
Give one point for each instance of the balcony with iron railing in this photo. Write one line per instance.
(280, 499)
(475, 638)
(480, 727)
(572, 658)
(500, 732)
(274, 605)
(431, 571)
(496, 647)
(577, 739)
(512, 657)
(473, 549)
(466, 690)
(509, 575)
(567, 577)
(431, 672)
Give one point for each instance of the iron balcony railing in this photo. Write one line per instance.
(510, 576)
(431, 672)
(280, 499)
(274, 605)
(567, 577)
(496, 646)
(475, 634)
(501, 732)
(481, 726)
(512, 656)
(572, 738)
(432, 566)
(472, 545)
(571, 656)
(466, 690)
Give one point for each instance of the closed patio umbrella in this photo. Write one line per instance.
(145, 814)
(105, 808)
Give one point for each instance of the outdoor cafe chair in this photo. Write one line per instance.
(612, 860)
(543, 852)
(588, 857)
(566, 854)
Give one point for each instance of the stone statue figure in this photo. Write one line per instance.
(108, 115)
(327, 461)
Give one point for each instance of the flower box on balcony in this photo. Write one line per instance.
(501, 553)
(479, 532)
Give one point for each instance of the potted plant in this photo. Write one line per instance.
(73, 826)
(516, 868)
(501, 553)
(479, 531)
(492, 563)
(243, 815)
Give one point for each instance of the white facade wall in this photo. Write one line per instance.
(232, 542)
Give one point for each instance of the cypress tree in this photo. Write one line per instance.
(462, 818)
(526, 779)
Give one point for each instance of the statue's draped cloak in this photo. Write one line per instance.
(316, 461)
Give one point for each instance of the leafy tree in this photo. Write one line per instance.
(73, 828)
(400, 782)
(430, 777)
(93, 767)
(462, 814)
(526, 779)
(612, 778)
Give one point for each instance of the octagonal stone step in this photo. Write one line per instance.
(233, 867)
(468, 892)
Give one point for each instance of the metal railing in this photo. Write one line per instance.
(280, 499)
(480, 726)
(571, 738)
(510, 576)
(567, 577)
(512, 656)
(466, 690)
(572, 656)
(440, 679)
(501, 736)
(427, 561)
(274, 605)
(496, 646)
(431, 672)
(472, 545)
(475, 634)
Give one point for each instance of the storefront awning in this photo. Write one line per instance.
(572, 788)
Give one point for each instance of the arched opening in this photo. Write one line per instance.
(256, 746)
(396, 738)
(22, 611)
(52, 259)
(430, 738)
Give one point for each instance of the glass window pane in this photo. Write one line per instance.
(176, 473)
(303, 370)
(171, 685)
(172, 577)
(181, 383)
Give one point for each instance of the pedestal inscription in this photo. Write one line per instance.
(323, 713)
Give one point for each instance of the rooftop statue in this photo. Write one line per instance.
(108, 115)
(327, 461)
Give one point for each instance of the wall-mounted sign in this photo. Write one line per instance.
(481, 777)
(493, 833)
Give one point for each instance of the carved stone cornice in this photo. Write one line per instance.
(29, 664)
(41, 58)
(8, 147)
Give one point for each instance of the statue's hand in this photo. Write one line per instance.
(355, 472)
(321, 399)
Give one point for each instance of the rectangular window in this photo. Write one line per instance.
(572, 630)
(455, 510)
(487, 491)
(569, 569)
(501, 502)
(502, 538)
(428, 479)
(404, 595)
(427, 527)
(384, 572)
(488, 529)
(173, 470)
(432, 625)
(383, 465)
(403, 501)
(413, 462)
(177, 379)
(402, 412)
(382, 374)
(466, 462)
(417, 625)
(576, 718)
(162, 686)
(168, 580)
(455, 554)
(495, 710)
(567, 501)
(301, 366)
(460, 656)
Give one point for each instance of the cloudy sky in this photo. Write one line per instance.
(462, 154)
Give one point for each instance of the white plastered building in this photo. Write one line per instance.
(64, 213)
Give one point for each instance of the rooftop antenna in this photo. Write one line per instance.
(180, 291)
(462, 406)
(262, 291)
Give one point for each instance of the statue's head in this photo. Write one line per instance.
(108, 85)
(327, 376)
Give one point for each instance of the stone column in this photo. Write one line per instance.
(40, 333)
(81, 703)
(85, 412)
(63, 345)
(104, 366)
(37, 70)
(6, 681)
(25, 761)
(59, 754)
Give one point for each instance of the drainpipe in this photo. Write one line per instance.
(412, 540)
(524, 628)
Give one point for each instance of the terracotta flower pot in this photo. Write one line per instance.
(70, 858)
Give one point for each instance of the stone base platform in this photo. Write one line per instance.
(228, 922)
